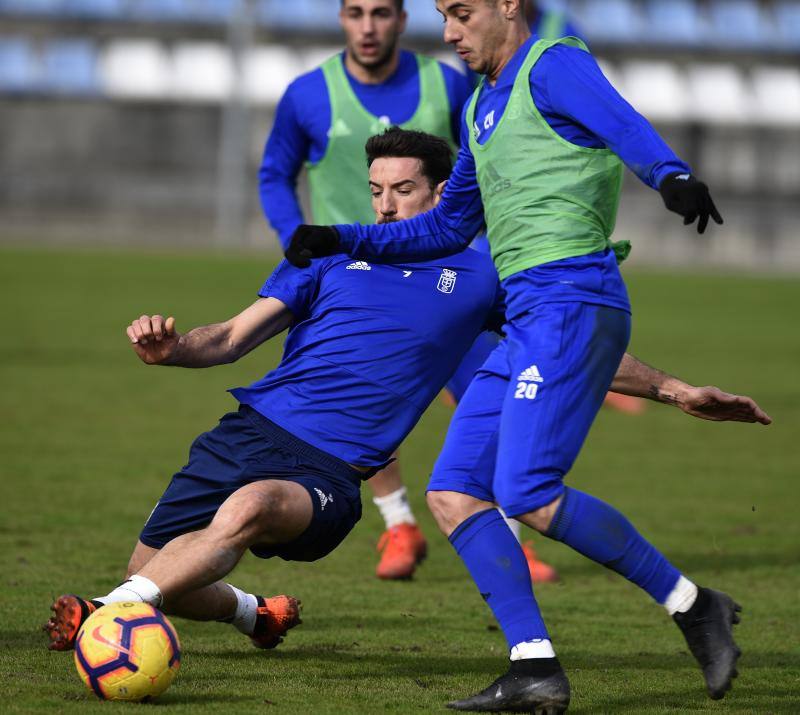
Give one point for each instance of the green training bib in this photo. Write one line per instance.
(544, 198)
(339, 181)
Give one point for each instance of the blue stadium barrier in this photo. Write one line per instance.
(738, 23)
(611, 20)
(674, 22)
(423, 20)
(161, 10)
(96, 9)
(787, 19)
(32, 7)
(70, 67)
(213, 10)
(19, 67)
(321, 15)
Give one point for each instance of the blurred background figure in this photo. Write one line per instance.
(550, 22)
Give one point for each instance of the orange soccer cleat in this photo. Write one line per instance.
(625, 403)
(403, 547)
(540, 571)
(274, 617)
(69, 613)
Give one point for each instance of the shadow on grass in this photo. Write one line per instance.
(418, 663)
(701, 562)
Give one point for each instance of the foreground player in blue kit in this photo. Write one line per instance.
(543, 144)
(281, 475)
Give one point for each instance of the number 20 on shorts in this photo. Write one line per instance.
(526, 391)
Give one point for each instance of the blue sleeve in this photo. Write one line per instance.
(286, 150)
(459, 89)
(444, 230)
(567, 82)
(497, 316)
(295, 287)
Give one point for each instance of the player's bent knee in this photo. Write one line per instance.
(540, 519)
(262, 512)
(248, 512)
(450, 509)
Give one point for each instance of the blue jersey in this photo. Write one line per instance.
(303, 118)
(370, 347)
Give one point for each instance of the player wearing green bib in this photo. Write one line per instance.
(543, 143)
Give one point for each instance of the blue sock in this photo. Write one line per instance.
(600, 532)
(498, 567)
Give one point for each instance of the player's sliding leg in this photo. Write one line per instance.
(176, 578)
(402, 545)
(542, 431)
(461, 500)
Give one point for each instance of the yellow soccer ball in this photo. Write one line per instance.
(127, 651)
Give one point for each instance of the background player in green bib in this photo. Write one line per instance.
(544, 139)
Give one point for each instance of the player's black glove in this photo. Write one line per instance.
(687, 196)
(311, 242)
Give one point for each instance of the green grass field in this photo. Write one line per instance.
(90, 437)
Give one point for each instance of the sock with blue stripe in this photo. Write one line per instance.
(600, 532)
(498, 567)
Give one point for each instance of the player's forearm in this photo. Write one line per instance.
(445, 230)
(427, 236)
(205, 346)
(576, 88)
(639, 379)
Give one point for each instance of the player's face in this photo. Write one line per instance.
(477, 29)
(372, 29)
(400, 190)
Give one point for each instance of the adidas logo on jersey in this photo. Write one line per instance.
(530, 374)
(323, 498)
(359, 266)
(528, 383)
(339, 129)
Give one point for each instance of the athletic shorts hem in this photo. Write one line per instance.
(546, 497)
(153, 543)
(461, 488)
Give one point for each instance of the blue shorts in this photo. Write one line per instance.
(526, 414)
(246, 447)
(471, 362)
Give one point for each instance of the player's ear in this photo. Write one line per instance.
(512, 8)
(401, 24)
(438, 191)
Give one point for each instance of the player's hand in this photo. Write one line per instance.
(311, 242)
(711, 403)
(153, 338)
(687, 196)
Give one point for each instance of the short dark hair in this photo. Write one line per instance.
(433, 152)
(397, 3)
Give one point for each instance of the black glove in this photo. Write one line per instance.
(687, 196)
(311, 242)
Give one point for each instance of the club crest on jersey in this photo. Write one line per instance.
(359, 266)
(447, 281)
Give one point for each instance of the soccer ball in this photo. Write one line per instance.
(127, 651)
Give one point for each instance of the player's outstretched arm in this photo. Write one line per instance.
(637, 378)
(444, 230)
(572, 85)
(156, 341)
